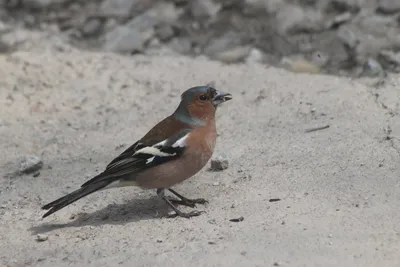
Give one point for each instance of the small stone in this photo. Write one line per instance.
(274, 199)
(233, 55)
(348, 37)
(110, 24)
(221, 44)
(164, 32)
(373, 68)
(389, 6)
(330, 235)
(212, 221)
(154, 43)
(211, 242)
(30, 163)
(390, 60)
(159, 241)
(320, 59)
(276, 264)
(29, 20)
(300, 65)
(3, 206)
(339, 20)
(131, 37)
(92, 27)
(219, 163)
(171, 213)
(204, 8)
(237, 219)
(181, 45)
(345, 5)
(124, 39)
(292, 19)
(166, 13)
(41, 238)
(216, 184)
(255, 56)
(39, 4)
(119, 7)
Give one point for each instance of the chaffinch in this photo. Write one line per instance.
(174, 150)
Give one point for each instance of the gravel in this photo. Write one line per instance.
(350, 34)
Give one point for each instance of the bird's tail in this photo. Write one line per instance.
(72, 197)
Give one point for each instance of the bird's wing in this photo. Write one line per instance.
(141, 156)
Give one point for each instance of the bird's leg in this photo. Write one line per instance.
(161, 194)
(186, 201)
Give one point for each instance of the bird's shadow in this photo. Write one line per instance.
(131, 211)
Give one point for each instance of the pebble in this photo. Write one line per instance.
(373, 68)
(390, 60)
(292, 19)
(255, 56)
(180, 45)
(204, 8)
(39, 4)
(345, 30)
(274, 199)
(389, 6)
(132, 36)
(237, 219)
(216, 184)
(164, 32)
(300, 65)
(165, 13)
(221, 44)
(124, 40)
(121, 7)
(219, 163)
(320, 59)
(41, 238)
(92, 27)
(212, 221)
(339, 20)
(30, 163)
(233, 55)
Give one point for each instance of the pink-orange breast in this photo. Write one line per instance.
(199, 148)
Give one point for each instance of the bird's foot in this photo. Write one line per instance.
(189, 202)
(185, 214)
(183, 201)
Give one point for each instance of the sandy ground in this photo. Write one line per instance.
(339, 187)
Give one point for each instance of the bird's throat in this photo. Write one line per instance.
(183, 115)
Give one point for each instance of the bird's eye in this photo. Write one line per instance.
(203, 98)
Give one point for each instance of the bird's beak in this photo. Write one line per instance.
(221, 97)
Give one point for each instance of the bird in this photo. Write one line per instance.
(175, 149)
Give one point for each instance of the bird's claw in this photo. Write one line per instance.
(186, 215)
(189, 202)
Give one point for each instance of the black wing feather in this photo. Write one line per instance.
(128, 163)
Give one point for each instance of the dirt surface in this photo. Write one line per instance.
(337, 190)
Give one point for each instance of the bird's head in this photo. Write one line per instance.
(199, 103)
